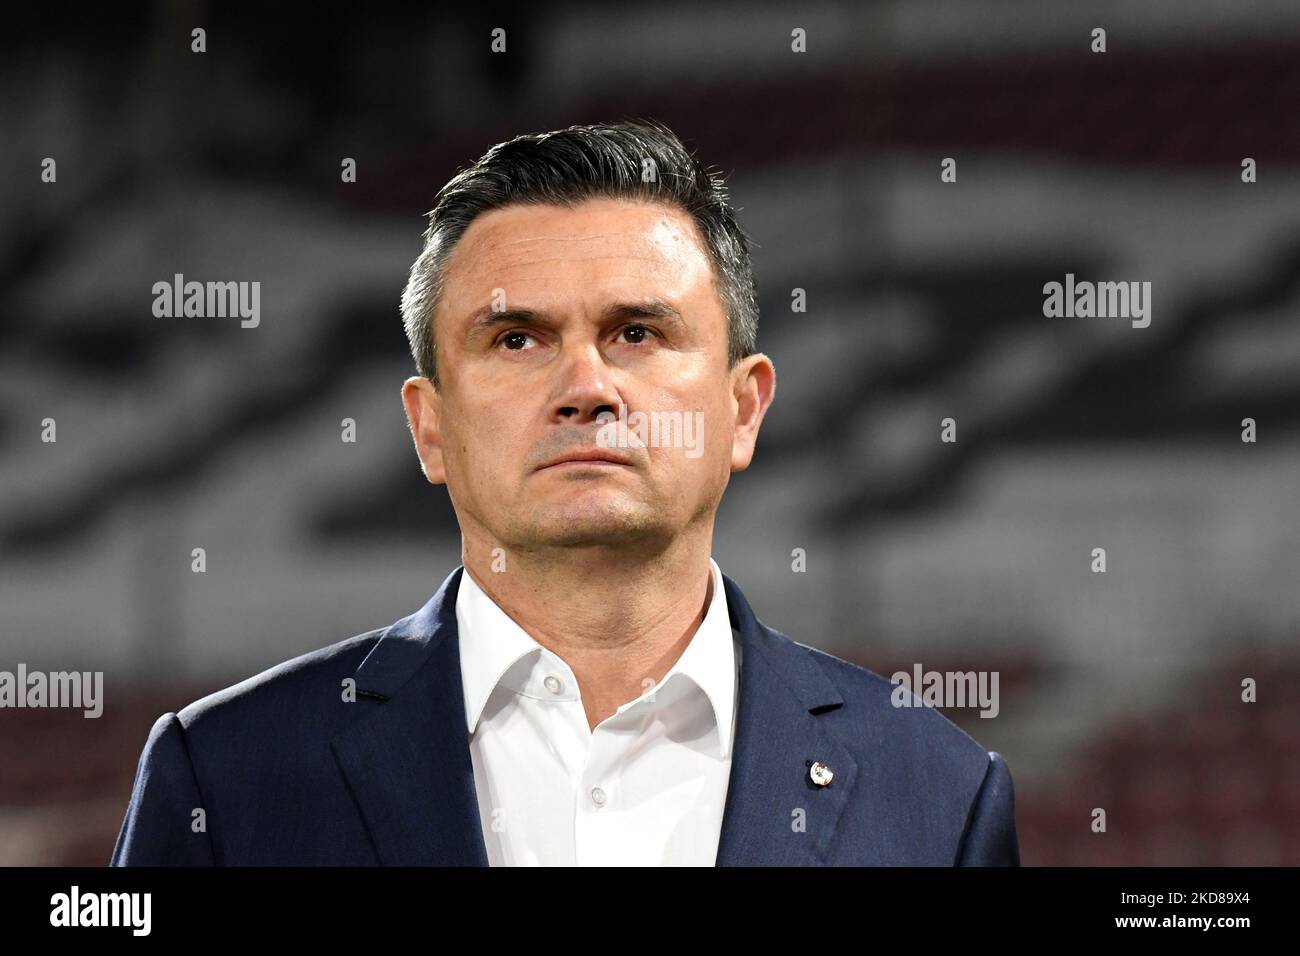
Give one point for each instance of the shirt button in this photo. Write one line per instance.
(598, 796)
(554, 684)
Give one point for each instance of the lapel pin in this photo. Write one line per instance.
(820, 774)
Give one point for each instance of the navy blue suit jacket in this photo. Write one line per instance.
(286, 771)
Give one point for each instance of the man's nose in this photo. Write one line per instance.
(585, 389)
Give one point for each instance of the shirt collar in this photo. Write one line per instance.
(495, 650)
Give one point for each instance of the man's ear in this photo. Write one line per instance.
(753, 386)
(423, 406)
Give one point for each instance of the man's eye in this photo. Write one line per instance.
(514, 340)
(638, 333)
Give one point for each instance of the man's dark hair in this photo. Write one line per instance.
(629, 160)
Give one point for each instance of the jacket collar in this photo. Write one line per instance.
(407, 761)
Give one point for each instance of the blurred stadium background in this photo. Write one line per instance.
(1119, 690)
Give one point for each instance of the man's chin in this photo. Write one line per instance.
(613, 528)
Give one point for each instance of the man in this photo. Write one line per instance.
(588, 688)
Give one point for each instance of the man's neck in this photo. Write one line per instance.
(620, 622)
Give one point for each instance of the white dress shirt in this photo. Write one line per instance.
(646, 787)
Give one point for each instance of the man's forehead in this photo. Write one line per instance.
(649, 236)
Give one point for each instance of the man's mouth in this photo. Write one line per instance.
(594, 457)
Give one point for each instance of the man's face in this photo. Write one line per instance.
(550, 319)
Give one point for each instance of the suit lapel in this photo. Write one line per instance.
(407, 761)
(406, 756)
(774, 814)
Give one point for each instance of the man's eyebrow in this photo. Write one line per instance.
(488, 318)
(649, 309)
